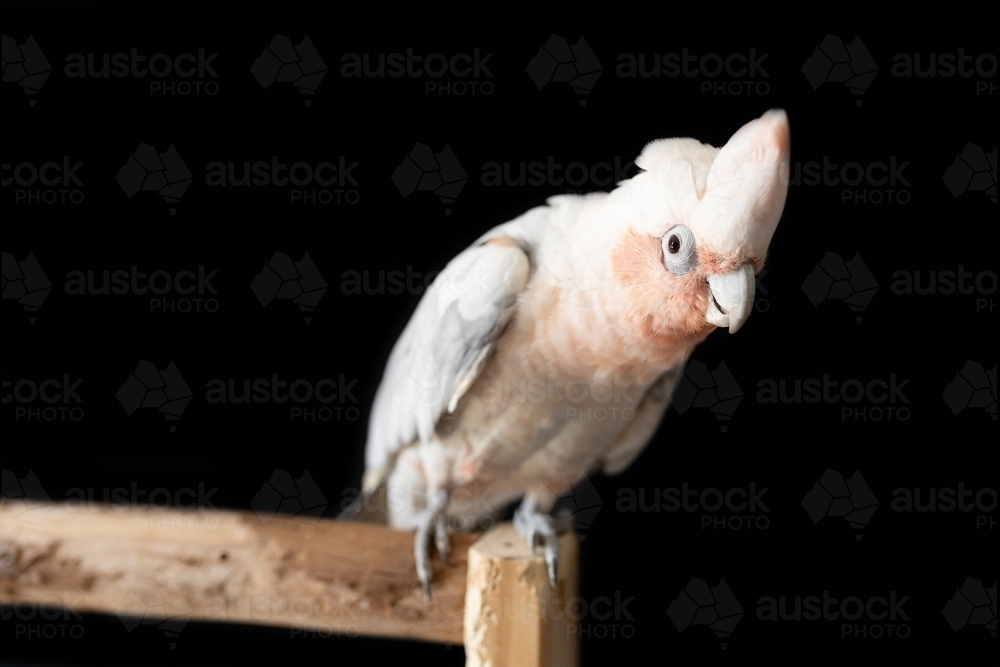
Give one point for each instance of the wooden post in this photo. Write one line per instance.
(513, 617)
(335, 577)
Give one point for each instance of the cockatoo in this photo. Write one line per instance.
(549, 349)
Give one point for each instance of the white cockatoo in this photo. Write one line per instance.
(549, 349)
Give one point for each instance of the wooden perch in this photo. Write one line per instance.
(513, 616)
(326, 576)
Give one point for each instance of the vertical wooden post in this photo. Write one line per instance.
(513, 617)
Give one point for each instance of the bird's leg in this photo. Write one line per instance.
(433, 519)
(539, 529)
(442, 539)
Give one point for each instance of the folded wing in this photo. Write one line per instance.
(443, 348)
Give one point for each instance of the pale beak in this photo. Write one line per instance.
(730, 298)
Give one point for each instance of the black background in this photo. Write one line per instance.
(646, 556)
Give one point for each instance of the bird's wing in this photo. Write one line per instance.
(443, 347)
(633, 440)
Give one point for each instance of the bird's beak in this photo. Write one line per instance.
(731, 298)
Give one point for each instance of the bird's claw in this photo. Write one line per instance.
(433, 519)
(540, 530)
(443, 540)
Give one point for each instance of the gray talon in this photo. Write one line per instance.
(552, 560)
(443, 540)
(540, 530)
(432, 518)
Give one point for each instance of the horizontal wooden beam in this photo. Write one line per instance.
(322, 575)
(167, 567)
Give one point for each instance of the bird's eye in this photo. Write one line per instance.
(679, 254)
(674, 244)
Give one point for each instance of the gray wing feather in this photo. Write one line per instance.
(442, 349)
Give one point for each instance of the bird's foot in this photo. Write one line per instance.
(540, 530)
(433, 520)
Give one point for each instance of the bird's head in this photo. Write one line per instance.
(695, 229)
